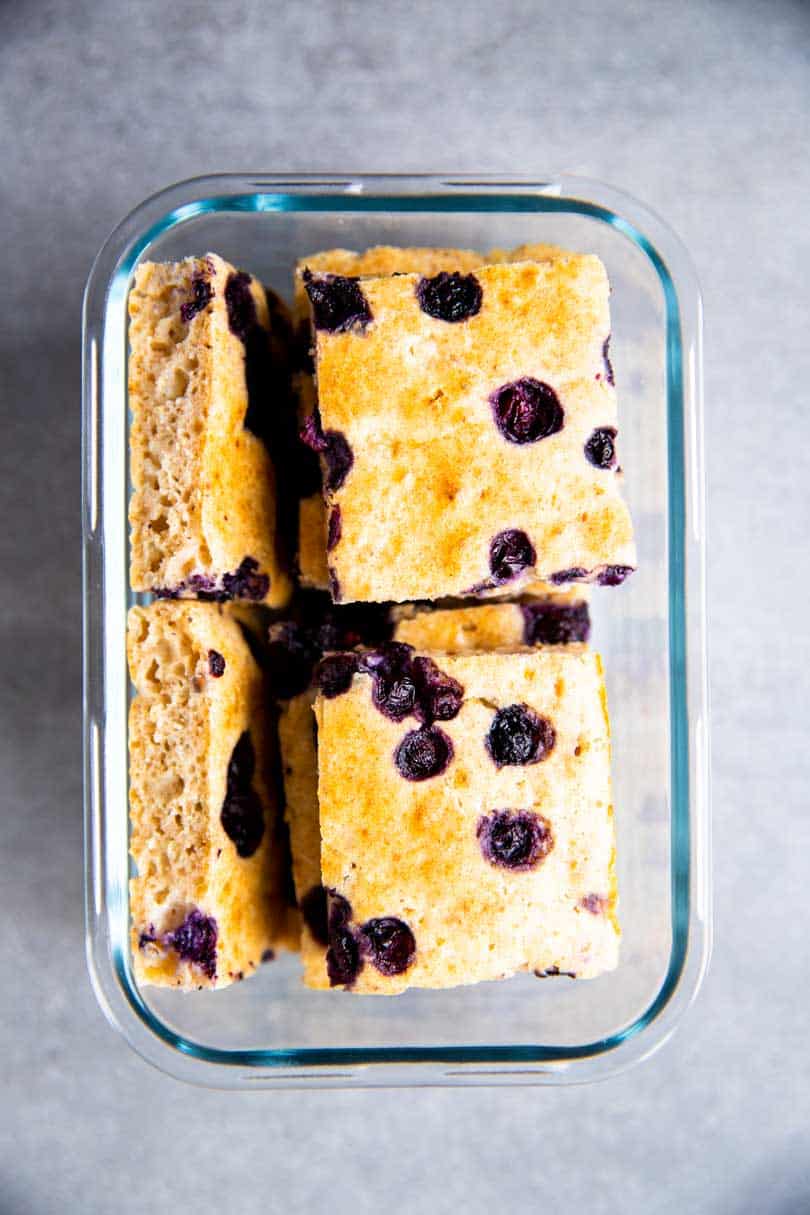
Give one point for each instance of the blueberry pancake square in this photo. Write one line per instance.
(208, 387)
(207, 901)
(466, 817)
(467, 430)
(558, 619)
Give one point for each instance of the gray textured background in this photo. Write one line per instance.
(699, 108)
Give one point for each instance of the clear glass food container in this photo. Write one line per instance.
(271, 1031)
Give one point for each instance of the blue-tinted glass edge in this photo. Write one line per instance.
(680, 809)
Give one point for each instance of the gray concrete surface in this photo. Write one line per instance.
(702, 109)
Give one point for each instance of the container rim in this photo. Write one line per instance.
(107, 950)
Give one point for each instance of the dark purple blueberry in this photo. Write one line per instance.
(518, 735)
(216, 664)
(600, 449)
(338, 303)
(291, 656)
(394, 695)
(335, 529)
(613, 575)
(335, 674)
(390, 657)
(394, 687)
(334, 584)
(550, 623)
(242, 819)
(391, 945)
(268, 955)
(450, 297)
(527, 410)
(439, 696)
(319, 625)
(553, 972)
(201, 295)
(240, 304)
(575, 574)
(148, 937)
(313, 909)
(242, 815)
(196, 941)
(606, 360)
(343, 961)
(246, 582)
(339, 459)
(333, 446)
(510, 553)
(269, 410)
(340, 909)
(515, 839)
(204, 587)
(164, 592)
(423, 753)
(596, 904)
(242, 763)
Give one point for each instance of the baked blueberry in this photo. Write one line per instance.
(242, 815)
(335, 674)
(394, 688)
(450, 297)
(339, 459)
(334, 530)
(423, 753)
(390, 944)
(518, 735)
(438, 696)
(240, 304)
(515, 839)
(613, 575)
(201, 295)
(527, 410)
(202, 586)
(510, 553)
(196, 941)
(338, 303)
(314, 911)
(550, 623)
(600, 450)
(333, 446)
(596, 904)
(343, 961)
(575, 574)
(246, 582)
(242, 819)
(216, 664)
